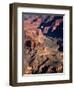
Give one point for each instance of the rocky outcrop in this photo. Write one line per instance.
(42, 53)
(43, 58)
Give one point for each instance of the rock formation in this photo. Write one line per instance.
(41, 53)
(43, 58)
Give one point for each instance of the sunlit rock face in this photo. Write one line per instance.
(43, 50)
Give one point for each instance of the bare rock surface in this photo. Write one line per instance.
(43, 58)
